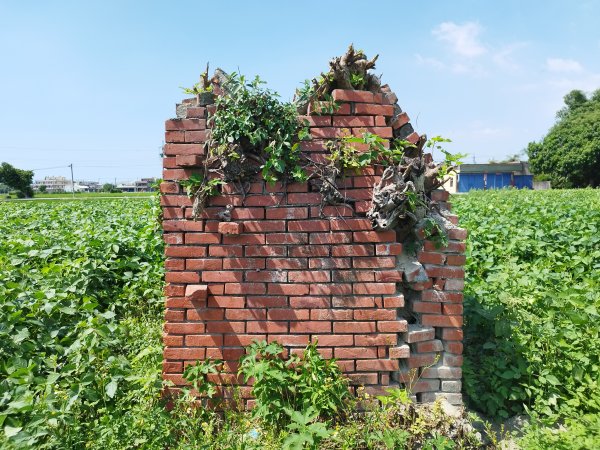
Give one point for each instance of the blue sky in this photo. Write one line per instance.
(91, 83)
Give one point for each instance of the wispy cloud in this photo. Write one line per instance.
(563, 65)
(504, 58)
(463, 39)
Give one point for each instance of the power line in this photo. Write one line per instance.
(50, 168)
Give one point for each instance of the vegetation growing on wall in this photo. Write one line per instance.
(253, 132)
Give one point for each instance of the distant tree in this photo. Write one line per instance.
(569, 155)
(107, 187)
(17, 179)
(43, 188)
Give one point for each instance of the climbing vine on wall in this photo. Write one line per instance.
(253, 132)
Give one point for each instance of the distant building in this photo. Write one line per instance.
(143, 185)
(490, 176)
(52, 183)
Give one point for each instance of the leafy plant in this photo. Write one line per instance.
(305, 431)
(301, 382)
(197, 375)
(251, 116)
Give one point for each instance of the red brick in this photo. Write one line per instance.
(310, 302)
(445, 272)
(310, 326)
(174, 315)
(204, 264)
(353, 121)
(248, 213)
(173, 238)
(196, 111)
(188, 160)
(245, 239)
(330, 289)
(329, 263)
(185, 124)
(374, 262)
(171, 290)
(243, 263)
(328, 132)
(454, 285)
(225, 250)
(246, 314)
(175, 264)
(245, 288)
(182, 225)
(287, 263)
(353, 250)
(431, 258)
(316, 121)
(222, 276)
(298, 212)
(353, 276)
(384, 132)
(334, 340)
(452, 335)
(219, 301)
(363, 379)
(374, 236)
(304, 198)
(182, 277)
(172, 367)
(169, 187)
(348, 95)
(260, 250)
(202, 238)
(354, 327)
(230, 228)
(184, 353)
(263, 200)
(438, 296)
(374, 288)
(388, 249)
(308, 225)
(389, 276)
(288, 314)
(267, 327)
(309, 276)
(267, 276)
(380, 121)
(204, 314)
(442, 321)
(266, 302)
(355, 353)
(392, 326)
(358, 224)
(457, 233)
(399, 352)
(196, 292)
(454, 347)
(354, 301)
(197, 136)
(374, 110)
(400, 120)
(456, 260)
(183, 149)
(424, 360)
(413, 138)
(184, 328)
(288, 289)
(174, 136)
(429, 346)
(374, 314)
(393, 302)
(377, 365)
(204, 340)
(228, 326)
(452, 309)
(264, 226)
(287, 238)
(427, 307)
(331, 314)
(331, 238)
(373, 340)
(309, 251)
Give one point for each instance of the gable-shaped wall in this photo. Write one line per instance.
(280, 270)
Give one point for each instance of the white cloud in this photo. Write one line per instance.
(463, 39)
(431, 62)
(504, 58)
(563, 65)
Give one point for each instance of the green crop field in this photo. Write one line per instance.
(81, 318)
(532, 302)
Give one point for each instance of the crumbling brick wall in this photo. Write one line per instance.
(281, 270)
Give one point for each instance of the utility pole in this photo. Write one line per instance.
(72, 180)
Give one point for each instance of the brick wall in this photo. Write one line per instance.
(280, 271)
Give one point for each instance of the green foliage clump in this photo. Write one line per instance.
(570, 153)
(581, 433)
(300, 383)
(81, 284)
(532, 301)
(251, 116)
(18, 179)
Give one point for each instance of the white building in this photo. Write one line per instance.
(52, 183)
